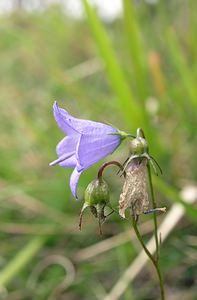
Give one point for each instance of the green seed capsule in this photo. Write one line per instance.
(96, 198)
(97, 192)
(138, 146)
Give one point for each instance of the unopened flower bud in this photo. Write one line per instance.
(97, 192)
(97, 195)
(96, 198)
(138, 146)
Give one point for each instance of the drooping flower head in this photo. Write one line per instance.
(86, 143)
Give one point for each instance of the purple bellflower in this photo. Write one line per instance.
(86, 143)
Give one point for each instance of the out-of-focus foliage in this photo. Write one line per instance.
(140, 70)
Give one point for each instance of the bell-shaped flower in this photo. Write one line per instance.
(86, 143)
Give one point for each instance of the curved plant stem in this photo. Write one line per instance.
(154, 261)
(102, 168)
(154, 214)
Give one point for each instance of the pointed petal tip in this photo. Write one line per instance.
(74, 193)
(55, 106)
(62, 118)
(74, 178)
(57, 109)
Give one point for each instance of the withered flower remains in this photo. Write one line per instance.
(135, 189)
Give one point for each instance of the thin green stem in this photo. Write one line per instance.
(154, 214)
(154, 261)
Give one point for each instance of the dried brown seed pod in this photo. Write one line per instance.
(135, 189)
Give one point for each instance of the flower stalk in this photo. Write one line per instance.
(154, 213)
(154, 260)
(105, 165)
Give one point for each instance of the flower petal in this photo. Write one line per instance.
(67, 145)
(95, 146)
(61, 117)
(66, 160)
(70, 124)
(69, 162)
(74, 178)
(66, 150)
(87, 126)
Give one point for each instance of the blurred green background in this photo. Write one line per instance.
(139, 70)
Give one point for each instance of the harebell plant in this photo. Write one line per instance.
(87, 142)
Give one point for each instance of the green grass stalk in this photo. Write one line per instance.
(21, 260)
